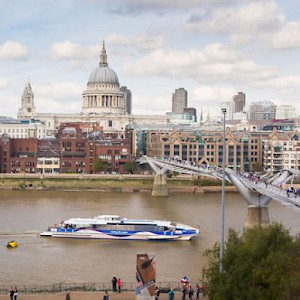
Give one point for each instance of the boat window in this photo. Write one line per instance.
(130, 227)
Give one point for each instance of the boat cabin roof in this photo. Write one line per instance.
(109, 217)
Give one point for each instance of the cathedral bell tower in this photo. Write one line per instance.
(27, 109)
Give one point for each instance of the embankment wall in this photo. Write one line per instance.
(109, 183)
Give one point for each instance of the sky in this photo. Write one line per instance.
(212, 48)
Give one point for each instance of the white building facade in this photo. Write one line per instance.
(281, 153)
(19, 129)
(48, 165)
(286, 112)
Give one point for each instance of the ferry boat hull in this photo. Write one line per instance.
(100, 235)
(96, 228)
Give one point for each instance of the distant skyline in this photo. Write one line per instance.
(212, 48)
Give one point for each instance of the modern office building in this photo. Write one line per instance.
(262, 110)
(286, 112)
(229, 106)
(179, 101)
(239, 101)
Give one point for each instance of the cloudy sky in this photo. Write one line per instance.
(212, 48)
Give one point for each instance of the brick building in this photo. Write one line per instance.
(72, 151)
(18, 155)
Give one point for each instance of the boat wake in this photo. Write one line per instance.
(20, 233)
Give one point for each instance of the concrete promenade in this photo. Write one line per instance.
(91, 296)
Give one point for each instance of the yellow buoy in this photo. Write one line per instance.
(12, 244)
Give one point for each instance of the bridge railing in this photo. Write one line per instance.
(261, 184)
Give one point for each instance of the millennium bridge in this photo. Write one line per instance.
(257, 191)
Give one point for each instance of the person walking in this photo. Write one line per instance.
(202, 289)
(11, 293)
(114, 283)
(197, 291)
(183, 293)
(119, 285)
(191, 292)
(106, 295)
(68, 296)
(171, 294)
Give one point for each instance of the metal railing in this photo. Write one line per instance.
(85, 287)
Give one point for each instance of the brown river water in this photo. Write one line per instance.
(42, 260)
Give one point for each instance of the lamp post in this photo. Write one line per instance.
(223, 194)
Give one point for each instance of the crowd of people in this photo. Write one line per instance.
(290, 190)
(186, 291)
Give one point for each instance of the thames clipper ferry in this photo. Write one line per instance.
(115, 227)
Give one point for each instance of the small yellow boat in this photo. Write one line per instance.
(12, 244)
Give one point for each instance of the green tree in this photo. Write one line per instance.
(261, 264)
(128, 167)
(98, 165)
(257, 167)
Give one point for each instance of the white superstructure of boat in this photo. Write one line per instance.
(115, 227)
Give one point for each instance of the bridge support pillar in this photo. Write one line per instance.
(258, 216)
(160, 187)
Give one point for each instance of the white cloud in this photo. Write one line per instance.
(142, 42)
(50, 105)
(160, 104)
(61, 90)
(73, 52)
(62, 97)
(214, 61)
(209, 98)
(288, 37)
(11, 50)
(3, 83)
(262, 16)
(160, 6)
(287, 82)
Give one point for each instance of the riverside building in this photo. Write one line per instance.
(244, 149)
(281, 151)
(73, 151)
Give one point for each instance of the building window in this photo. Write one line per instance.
(110, 123)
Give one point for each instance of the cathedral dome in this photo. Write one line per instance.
(103, 73)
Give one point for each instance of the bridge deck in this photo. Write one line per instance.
(273, 191)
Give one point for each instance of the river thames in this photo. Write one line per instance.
(37, 260)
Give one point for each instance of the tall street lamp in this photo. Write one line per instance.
(223, 194)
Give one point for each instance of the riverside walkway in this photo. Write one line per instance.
(92, 296)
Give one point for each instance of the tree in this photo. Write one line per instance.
(98, 165)
(261, 264)
(128, 167)
(257, 167)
